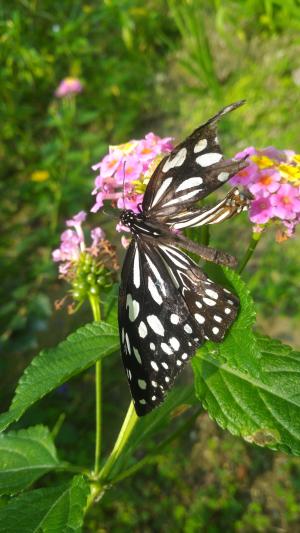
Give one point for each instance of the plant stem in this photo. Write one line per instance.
(95, 305)
(152, 457)
(249, 252)
(130, 420)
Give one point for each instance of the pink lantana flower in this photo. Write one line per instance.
(72, 243)
(267, 182)
(87, 266)
(68, 86)
(261, 210)
(273, 178)
(124, 172)
(286, 202)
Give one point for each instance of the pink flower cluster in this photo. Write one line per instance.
(273, 178)
(73, 243)
(124, 171)
(68, 86)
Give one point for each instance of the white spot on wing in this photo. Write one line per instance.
(189, 183)
(156, 274)
(206, 160)
(208, 301)
(174, 343)
(137, 355)
(174, 319)
(199, 318)
(136, 269)
(154, 366)
(176, 161)
(165, 184)
(212, 294)
(152, 346)
(223, 176)
(166, 348)
(201, 145)
(127, 343)
(217, 318)
(188, 328)
(142, 384)
(154, 292)
(215, 331)
(133, 307)
(143, 330)
(182, 198)
(156, 324)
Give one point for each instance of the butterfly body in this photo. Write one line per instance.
(167, 305)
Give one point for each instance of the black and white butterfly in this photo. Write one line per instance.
(167, 305)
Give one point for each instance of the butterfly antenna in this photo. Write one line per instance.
(123, 191)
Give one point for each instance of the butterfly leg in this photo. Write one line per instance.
(205, 252)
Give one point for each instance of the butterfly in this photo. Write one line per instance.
(168, 307)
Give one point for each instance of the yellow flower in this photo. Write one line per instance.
(296, 158)
(262, 161)
(141, 184)
(126, 148)
(290, 172)
(40, 175)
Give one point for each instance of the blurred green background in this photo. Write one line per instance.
(161, 66)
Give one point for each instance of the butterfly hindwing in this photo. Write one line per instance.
(194, 169)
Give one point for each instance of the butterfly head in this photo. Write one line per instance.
(128, 218)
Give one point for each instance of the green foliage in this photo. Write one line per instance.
(56, 365)
(25, 456)
(116, 49)
(47, 510)
(250, 385)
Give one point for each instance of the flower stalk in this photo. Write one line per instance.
(129, 423)
(250, 250)
(95, 305)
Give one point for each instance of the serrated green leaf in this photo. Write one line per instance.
(25, 456)
(51, 510)
(249, 384)
(55, 366)
(179, 400)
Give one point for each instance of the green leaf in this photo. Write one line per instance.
(179, 400)
(51, 510)
(249, 384)
(53, 367)
(25, 456)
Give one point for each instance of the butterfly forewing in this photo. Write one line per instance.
(154, 323)
(193, 170)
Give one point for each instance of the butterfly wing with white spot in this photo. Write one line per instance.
(194, 169)
(212, 307)
(233, 203)
(167, 308)
(156, 328)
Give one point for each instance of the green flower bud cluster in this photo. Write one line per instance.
(91, 278)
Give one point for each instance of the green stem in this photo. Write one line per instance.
(95, 305)
(152, 457)
(130, 420)
(249, 252)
